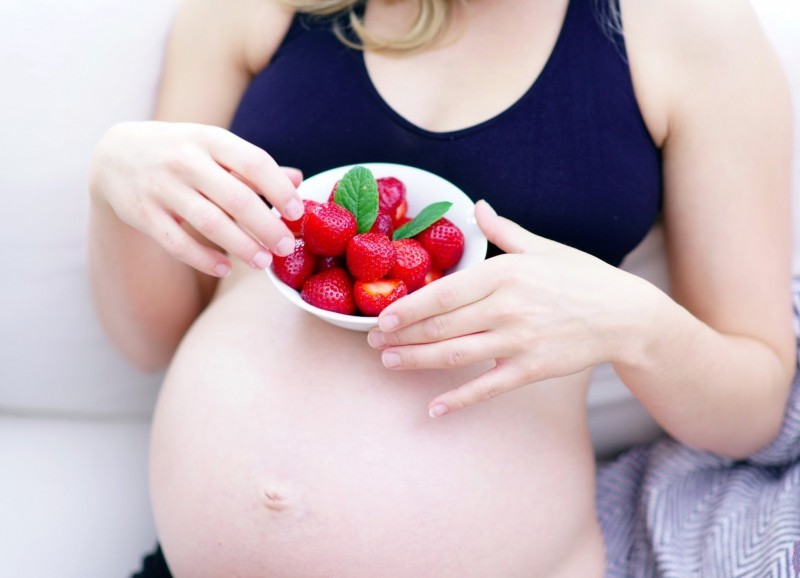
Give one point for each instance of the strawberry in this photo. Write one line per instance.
(325, 263)
(412, 264)
(373, 296)
(401, 221)
(400, 213)
(392, 197)
(296, 227)
(327, 228)
(383, 224)
(295, 268)
(444, 241)
(370, 256)
(333, 192)
(433, 275)
(331, 290)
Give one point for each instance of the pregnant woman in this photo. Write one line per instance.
(452, 441)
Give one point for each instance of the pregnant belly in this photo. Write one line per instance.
(282, 448)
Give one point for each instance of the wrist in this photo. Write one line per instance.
(645, 315)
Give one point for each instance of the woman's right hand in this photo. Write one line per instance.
(157, 175)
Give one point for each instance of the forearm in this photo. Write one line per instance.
(146, 299)
(720, 392)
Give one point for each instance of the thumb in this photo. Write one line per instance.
(506, 234)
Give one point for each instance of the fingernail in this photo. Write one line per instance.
(488, 206)
(294, 209)
(222, 270)
(437, 410)
(391, 359)
(285, 246)
(388, 323)
(261, 260)
(376, 339)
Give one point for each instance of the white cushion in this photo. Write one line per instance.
(73, 489)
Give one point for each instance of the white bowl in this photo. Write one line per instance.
(422, 189)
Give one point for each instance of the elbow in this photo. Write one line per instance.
(145, 345)
(147, 363)
(763, 419)
(144, 356)
(739, 450)
(761, 428)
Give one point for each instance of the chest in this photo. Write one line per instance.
(570, 158)
(482, 63)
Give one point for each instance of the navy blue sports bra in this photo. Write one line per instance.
(571, 160)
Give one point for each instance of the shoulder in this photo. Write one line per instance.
(683, 52)
(215, 48)
(245, 32)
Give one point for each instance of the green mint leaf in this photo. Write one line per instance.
(426, 217)
(358, 193)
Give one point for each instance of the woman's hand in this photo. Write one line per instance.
(158, 175)
(543, 310)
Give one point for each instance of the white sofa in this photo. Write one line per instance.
(74, 415)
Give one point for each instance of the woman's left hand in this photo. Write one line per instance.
(540, 311)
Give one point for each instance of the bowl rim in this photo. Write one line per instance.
(362, 321)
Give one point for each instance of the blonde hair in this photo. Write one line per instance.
(432, 17)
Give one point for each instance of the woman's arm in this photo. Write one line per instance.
(153, 185)
(716, 370)
(714, 365)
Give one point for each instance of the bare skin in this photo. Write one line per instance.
(285, 447)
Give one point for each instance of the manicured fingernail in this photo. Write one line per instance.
(391, 359)
(222, 270)
(388, 323)
(438, 410)
(376, 339)
(261, 260)
(488, 206)
(294, 209)
(285, 246)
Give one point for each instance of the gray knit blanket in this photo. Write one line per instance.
(670, 511)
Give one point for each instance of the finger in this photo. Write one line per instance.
(488, 385)
(462, 321)
(447, 294)
(245, 207)
(183, 247)
(295, 175)
(458, 352)
(260, 170)
(216, 226)
(506, 234)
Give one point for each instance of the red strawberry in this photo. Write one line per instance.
(373, 296)
(383, 224)
(331, 290)
(295, 268)
(333, 192)
(400, 213)
(296, 227)
(325, 263)
(432, 276)
(444, 241)
(401, 221)
(412, 264)
(392, 197)
(327, 228)
(370, 256)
